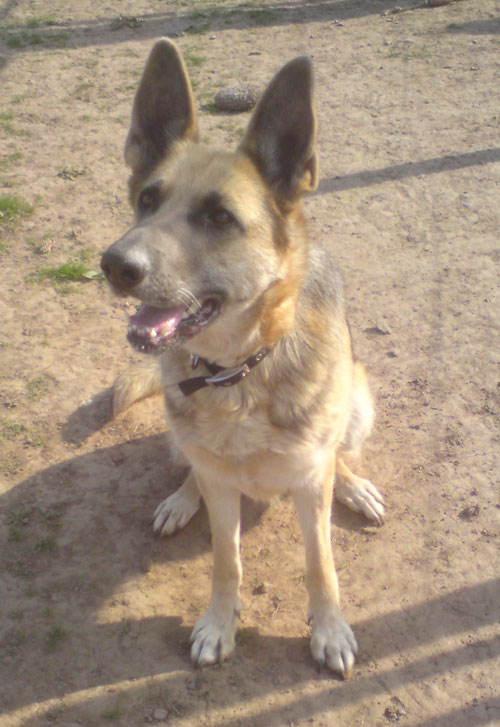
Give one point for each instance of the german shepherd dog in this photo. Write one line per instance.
(262, 394)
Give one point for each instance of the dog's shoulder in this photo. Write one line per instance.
(312, 364)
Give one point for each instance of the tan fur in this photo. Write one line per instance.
(229, 227)
(140, 381)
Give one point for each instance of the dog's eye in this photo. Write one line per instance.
(148, 200)
(221, 217)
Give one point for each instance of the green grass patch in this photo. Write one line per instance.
(37, 387)
(17, 519)
(54, 637)
(23, 39)
(12, 209)
(36, 20)
(14, 641)
(83, 92)
(63, 276)
(71, 173)
(10, 465)
(262, 17)
(8, 127)
(198, 29)
(7, 160)
(192, 59)
(126, 21)
(112, 713)
(46, 545)
(20, 97)
(18, 516)
(211, 108)
(67, 272)
(17, 430)
(11, 430)
(197, 15)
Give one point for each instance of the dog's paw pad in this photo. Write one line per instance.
(174, 512)
(333, 644)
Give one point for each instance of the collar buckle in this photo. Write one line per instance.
(228, 377)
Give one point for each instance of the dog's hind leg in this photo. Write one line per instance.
(177, 509)
(139, 381)
(358, 494)
(355, 492)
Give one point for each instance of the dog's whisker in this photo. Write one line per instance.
(187, 297)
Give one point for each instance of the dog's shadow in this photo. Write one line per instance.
(78, 530)
(89, 418)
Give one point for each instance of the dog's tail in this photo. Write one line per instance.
(139, 381)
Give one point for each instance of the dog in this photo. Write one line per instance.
(246, 317)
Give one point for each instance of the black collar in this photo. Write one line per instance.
(220, 376)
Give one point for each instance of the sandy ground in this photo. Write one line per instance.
(94, 612)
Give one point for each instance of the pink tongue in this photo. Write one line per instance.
(157, 318)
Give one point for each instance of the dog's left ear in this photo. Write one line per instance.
(282, 132)
(163, 111)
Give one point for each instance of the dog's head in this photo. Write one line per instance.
(217, 254)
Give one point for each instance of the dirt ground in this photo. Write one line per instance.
(95, 612)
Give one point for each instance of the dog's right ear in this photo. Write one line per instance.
(163, 110)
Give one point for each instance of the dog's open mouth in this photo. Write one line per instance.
(151, 330)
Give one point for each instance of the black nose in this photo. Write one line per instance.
(125, 264)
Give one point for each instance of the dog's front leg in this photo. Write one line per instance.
(332, 641)
(212, 639)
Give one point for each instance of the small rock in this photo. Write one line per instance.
(260, 589)
(382, 327)
(145, 565)
(241, 97)
(395, 710)
(160, 714)
(44, 247)
(469, 512)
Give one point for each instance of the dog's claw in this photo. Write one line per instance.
(175, 511)
(363, 497)
(333, 644)
(212, 640)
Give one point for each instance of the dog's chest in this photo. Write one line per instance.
(223, 422)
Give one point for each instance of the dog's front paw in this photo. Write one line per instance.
(333, 643)
(361, 496)
(212, 639)
(175, 511)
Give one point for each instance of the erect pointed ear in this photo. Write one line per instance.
(282, 132)
(163, 110)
